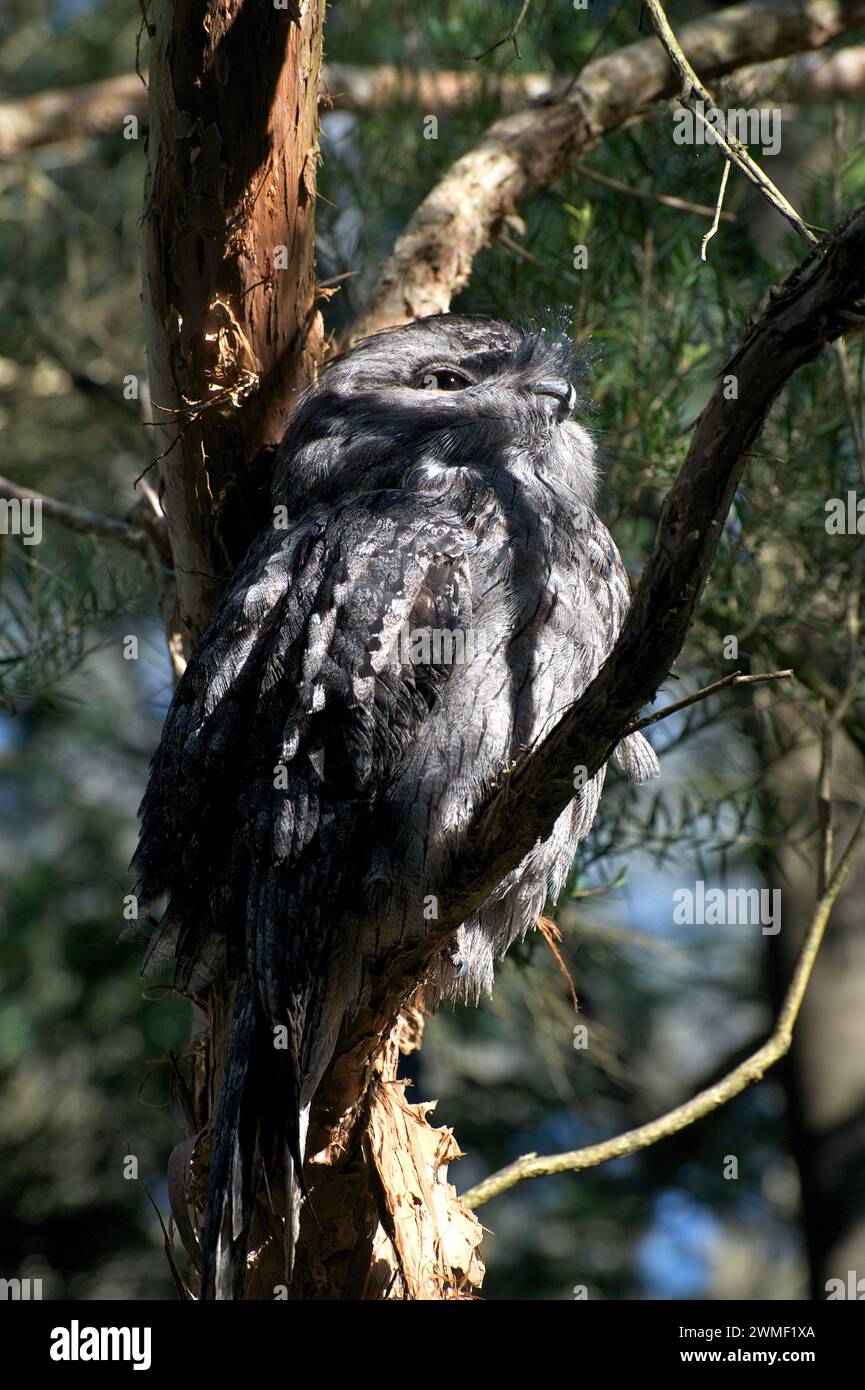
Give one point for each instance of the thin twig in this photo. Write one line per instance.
(668, 200)
(718, 206)
(736, 1081)
(735, 678)
(77, 519)
(521, 251)
(510, 36)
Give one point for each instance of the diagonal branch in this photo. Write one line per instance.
(802, 317)
(432, 260)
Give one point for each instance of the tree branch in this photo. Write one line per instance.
(64, 114)
(735, 678)
(78, 519)
(432, 260)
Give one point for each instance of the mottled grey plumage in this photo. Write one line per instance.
(317, 771)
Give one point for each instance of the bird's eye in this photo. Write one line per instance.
(444, 379)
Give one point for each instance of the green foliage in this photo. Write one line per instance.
(55, 615)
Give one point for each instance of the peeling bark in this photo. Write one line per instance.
(229, 278)
(384, 1222)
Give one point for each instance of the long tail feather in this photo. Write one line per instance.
(229, 1196)
(296, 1191)
(258, 1115)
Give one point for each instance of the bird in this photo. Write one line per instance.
(432, 592)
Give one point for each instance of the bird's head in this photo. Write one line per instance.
(452, 391)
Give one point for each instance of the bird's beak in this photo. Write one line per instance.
(561, 391)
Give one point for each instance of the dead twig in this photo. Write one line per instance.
(702, 1104)
(735, 678)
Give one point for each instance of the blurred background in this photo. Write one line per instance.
(766, 1197)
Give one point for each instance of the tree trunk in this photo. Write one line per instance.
(233, 331)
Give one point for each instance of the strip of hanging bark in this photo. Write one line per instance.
(383, 1222)
(433, 1237)
(432, 260)
(553, 937)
